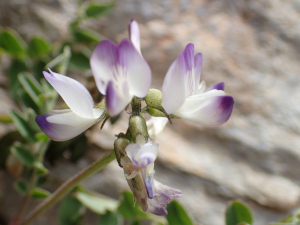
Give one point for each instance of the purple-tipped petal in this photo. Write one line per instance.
(155, 209)
(76, 96)
(173, 89)
(219, 86)
(134, 34)
(135, 69)
(188, 54)
(115, 103)
(104, 64)
(198, 66)
(63, 126)
(149, 184)
(208, 111)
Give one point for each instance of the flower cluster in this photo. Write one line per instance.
(123, 76)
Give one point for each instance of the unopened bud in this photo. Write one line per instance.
(155, 112)
(138, 128)
(154, 99)
(119, 147)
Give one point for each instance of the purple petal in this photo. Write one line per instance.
(134, 68)
(208, 111)
(104, 64)
(134, 34)
(66, 126)
(76, 96)
(173, 89)
(149, 184)
(188, 55)
(114, 102)
(198, 66)
(219, 86)
(156, 210)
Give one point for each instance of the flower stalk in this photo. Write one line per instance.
(65, 188)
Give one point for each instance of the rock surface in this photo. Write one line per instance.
(253, 46)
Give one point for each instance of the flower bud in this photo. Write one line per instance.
(155, 112)
(154, 99)
(138, 128)
(119, 147)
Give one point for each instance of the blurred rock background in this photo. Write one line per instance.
(253, 46)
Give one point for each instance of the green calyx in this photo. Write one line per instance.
(119, 146)
(138, 127)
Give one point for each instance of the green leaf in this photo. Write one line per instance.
(127, 209)
(20, 186)
(37, 70)
(40, 169)
(25, 130)
(70, 211)
(31, 115)
(95, 10)
(177, 215)
(23, 154)
(26, 101)
(11, 42)
(38, 47)
(86, 35)
(237, 212)
(31, 85)
(109, 218)
(5, 119)
(80, 60)
(96, 202)
(293, 219)
(39, 193)
(5, 143)
(41, 136)
(17, 66)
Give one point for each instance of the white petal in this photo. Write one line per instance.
(201, 87)
(104, 64)
(63, 126)
(156, 125)
(211, 111)
(76, 96)
(134, 35)
(138, 73)
(173, 89)
(149, 152)
(132, 149)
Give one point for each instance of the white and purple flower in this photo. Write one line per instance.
(184, 97)
(61, 125)
(120, 72)
(159, 195)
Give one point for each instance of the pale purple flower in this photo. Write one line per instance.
(134, 35)
(144, 157)
(184, 97)
(162, 197)
(120, 72)
(61, 125)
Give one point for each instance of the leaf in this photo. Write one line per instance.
(31, 85)
(37, 70)
(5, 119)
(127, 209)
(177, 215)
(23, 154)
(109, 218)
(95, 10)
(70, 211)
(237, 212)
(38, 47)
(40, 169)
(31, 115)
(26, 101)
(20, 186)
(23, 127)
(17, 66)
(86, 35)
(14, 166)
(5, 143)
(80, 60)
(39, 193)
(11, 42)
(96, 202)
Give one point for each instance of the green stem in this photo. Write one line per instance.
(66, 187)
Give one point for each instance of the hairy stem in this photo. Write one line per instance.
(66, 187)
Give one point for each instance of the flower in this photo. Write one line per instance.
(184, 97)
(120, 73)
(159, 195)
(61, 125)
(156, 125)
